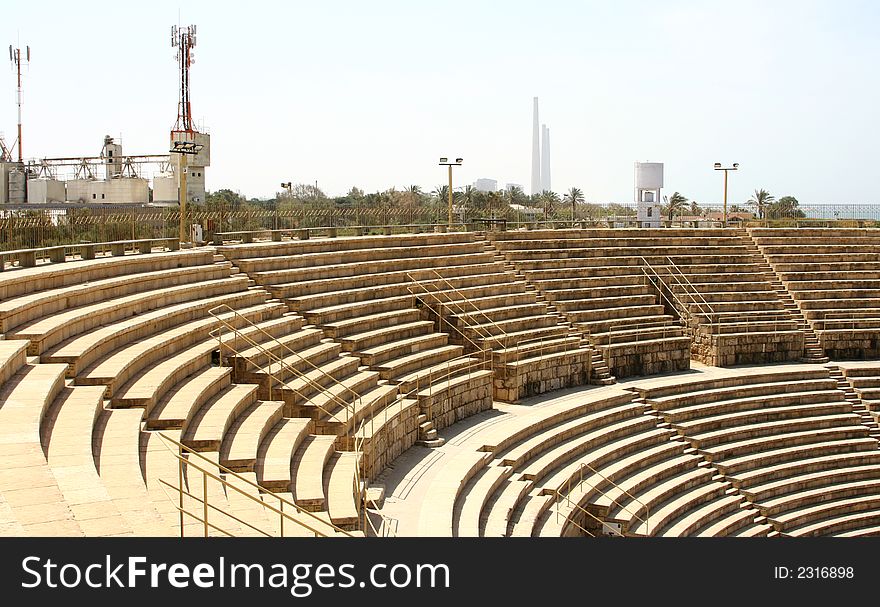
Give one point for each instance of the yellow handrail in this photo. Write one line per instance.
(187, 461)
(478, 348)
(656, 275)
(576, 506)
(505, 342)
(618, 487)
(348, 408)
(458, 304)
(687, 284)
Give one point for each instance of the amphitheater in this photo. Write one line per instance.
(522, 382)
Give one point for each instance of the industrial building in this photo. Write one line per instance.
(114, 177)
(111, 177)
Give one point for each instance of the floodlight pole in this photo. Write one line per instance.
(718, 167)
(445, 162)
(449, 221)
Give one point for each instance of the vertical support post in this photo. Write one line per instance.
(182, 170)
(180, 487)
(450, 194)
(725, 198)
(205, 500)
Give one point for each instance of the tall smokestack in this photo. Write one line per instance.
(545, 158)
(536, 152)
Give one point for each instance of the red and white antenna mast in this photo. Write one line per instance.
(184, 39)
(15, 56)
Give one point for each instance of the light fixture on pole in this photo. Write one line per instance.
(719, 167)
(445, 162)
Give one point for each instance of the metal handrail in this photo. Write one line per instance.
(576, 506)
(614, 500)
(387, 531)
(478, 348)
(458, 303)
(734, 317)
(687, 284)
(284, 384)
(504, 335)
(685, 313)
(714, 317)
(348, 408)
(846, 320)
(609, 335)
(186, 461)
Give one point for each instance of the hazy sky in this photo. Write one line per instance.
(372, 93)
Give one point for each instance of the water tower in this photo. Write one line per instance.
(649, 182)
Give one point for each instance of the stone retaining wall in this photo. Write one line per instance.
(747, 348)
(394, 437)
(543, 375)
(445, 407)
(843, 345)
(647, 357)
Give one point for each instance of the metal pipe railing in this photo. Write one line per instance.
(350, 409)
(182, 449)
(279, 360)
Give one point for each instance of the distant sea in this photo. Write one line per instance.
(842, 211)
(833, 210)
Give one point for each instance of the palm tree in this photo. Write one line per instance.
(548, 199)
(675, 204)
(761, 199)
(515, 195)
(412, 197)
(468, 196)
(440, 192)
(574, 197)
(493, 200)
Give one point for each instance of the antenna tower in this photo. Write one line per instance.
(16, 57)
(184, 40)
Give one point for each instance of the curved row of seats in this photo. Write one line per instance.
(768, 451)
(614, 283)
(600, 287)
(135, 338)
(362, 293)
(597, 459)
(788, 439)
(834, 276)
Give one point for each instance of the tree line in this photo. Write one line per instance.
(468, 202)
(763, 204)
(510, 203)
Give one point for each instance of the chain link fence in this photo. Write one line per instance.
(26, 228)
(23, 228)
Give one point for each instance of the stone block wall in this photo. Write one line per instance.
(543, 375)
(747, 348)
(648, 357)
(445, 407)
(393, 437)
(843, 345)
